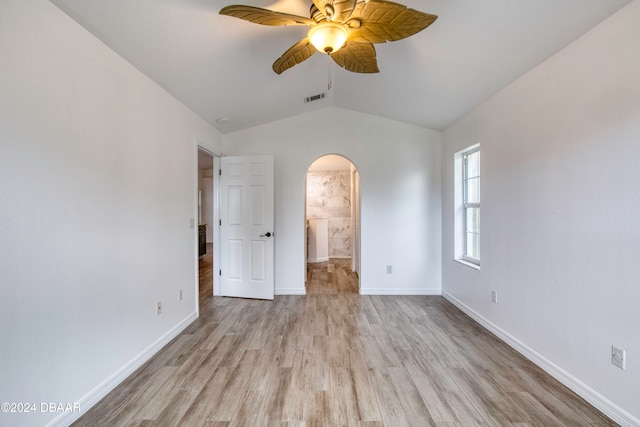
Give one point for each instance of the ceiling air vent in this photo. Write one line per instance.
(314, 98)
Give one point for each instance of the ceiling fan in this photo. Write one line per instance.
(344, 29)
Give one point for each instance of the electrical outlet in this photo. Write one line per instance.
(159, 307)
(494, 297)
(619, 357)
(389, 269)
(180, 295)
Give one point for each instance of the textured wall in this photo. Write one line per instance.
(329, 196)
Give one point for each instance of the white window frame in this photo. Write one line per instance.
(462, 206)
(468, 205)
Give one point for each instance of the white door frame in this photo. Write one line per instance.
(355, 221)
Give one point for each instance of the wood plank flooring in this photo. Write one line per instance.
(334, 276)
(205, 274)
(335, 358)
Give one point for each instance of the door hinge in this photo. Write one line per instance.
(219, 222)
(220, 172)
(220, 272)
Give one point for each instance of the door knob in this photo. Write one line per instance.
(267, 234)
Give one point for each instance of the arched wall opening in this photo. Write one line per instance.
(332, 225)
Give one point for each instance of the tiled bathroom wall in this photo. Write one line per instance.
(329, 196)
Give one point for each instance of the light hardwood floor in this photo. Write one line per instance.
(205, 274)
(331, 277)
(339, 359)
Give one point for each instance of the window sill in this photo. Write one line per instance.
(468, 264)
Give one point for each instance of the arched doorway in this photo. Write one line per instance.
(332, 213)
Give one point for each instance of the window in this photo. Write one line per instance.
(467, 206)
(471, 205)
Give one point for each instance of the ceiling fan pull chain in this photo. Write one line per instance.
(329, 62)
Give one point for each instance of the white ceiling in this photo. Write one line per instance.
(221, 66)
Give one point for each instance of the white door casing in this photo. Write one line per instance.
(247, 227)
(355, 202)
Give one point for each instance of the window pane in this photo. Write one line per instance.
(473, 220)
(473, 190)
(476, 247)
(473, 164)
(473, 246)
(472, 233)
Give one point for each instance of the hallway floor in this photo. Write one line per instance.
(205, 274)
(331, 277)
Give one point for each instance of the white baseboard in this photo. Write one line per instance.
(302, 291)
(290, 291)
(395, 291)
(316, 260)
(607, 407)
(94, 396)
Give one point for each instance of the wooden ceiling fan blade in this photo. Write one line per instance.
(380, 21)
(357, 57)
(336, 10)
(264, 16)
(296, 54)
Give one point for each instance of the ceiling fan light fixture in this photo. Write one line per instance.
(351, 25)
(328, 37)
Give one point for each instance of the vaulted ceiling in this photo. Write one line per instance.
(220, 66)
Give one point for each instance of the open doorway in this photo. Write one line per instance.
(332, 212)
(205, 221)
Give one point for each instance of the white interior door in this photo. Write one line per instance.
(246, 227)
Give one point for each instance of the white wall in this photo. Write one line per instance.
(560, 214)
(399, 165)
(98, 184)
